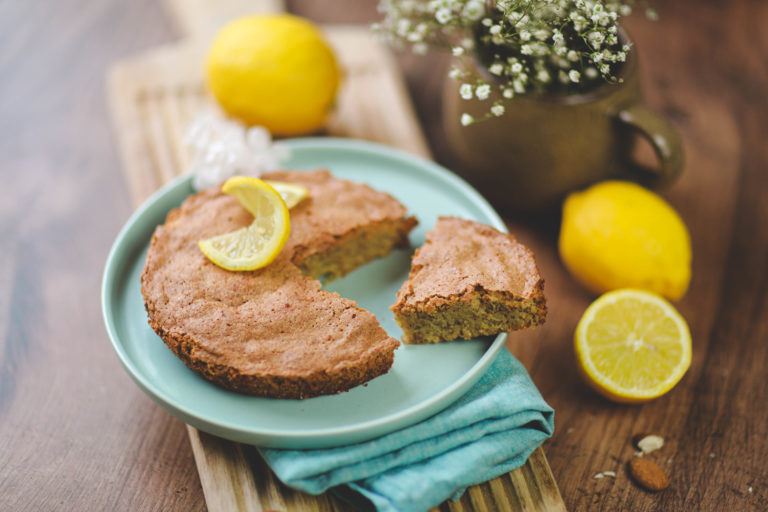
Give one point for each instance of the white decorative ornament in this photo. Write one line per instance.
(221, 148)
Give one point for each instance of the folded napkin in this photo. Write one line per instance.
(489, 431)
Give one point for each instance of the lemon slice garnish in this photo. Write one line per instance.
(632, 345)
(257, 245)
(292, 193)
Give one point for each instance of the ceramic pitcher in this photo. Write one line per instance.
(546, 146)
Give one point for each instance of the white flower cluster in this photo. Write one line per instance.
(221, 148)
(526, 46)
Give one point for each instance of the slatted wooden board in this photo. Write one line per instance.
(152, 98)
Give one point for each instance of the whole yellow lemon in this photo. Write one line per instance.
(273, 70)
(620, 235)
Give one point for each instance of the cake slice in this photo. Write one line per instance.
(469, 280)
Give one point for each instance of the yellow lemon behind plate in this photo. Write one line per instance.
(620, 235)
(632, 345)
(257, 245)
(275, 71)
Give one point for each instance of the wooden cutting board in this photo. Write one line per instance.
(153, 97)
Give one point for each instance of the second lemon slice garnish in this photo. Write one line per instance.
(632, 345)
(292, 193)
(257, 245)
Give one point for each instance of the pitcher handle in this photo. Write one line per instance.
(665, 140)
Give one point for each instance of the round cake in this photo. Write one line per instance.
(275, 331)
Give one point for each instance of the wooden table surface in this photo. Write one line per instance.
(77, 434)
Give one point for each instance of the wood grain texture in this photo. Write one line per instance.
(77, 434)
(225, 473)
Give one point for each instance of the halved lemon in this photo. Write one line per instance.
(292, 193)
(632, 345)
(257, 245)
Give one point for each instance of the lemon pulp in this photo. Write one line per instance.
(632, 345)
(292, 193)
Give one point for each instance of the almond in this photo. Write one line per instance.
(647, 474)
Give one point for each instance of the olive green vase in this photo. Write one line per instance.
(543, 147)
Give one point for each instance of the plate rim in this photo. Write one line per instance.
(323, 437)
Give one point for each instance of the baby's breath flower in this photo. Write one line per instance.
(443, 16)
(527, 46)
(596, 39)
(414, 37)
(483, 91)
(467, 119)
(403, 26)
(474, 10)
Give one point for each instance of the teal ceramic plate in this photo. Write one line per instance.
(423, 379)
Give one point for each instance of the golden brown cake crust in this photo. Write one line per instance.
(467, 280)
(271, 332)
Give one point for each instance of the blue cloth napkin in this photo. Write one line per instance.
(489, 431)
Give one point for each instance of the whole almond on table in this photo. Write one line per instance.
(648, 475)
